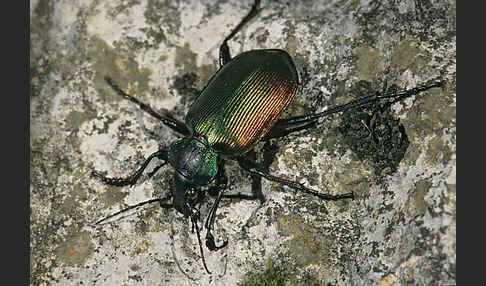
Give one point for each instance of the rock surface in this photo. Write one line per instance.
(400, 229)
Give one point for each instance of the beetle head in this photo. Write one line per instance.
(196, 166)
(185, 196)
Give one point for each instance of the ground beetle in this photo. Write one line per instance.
(239, 107)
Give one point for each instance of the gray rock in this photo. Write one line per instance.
(400, 229)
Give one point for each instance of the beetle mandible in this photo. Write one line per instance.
(239, 106)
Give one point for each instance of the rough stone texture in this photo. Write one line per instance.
(400, 229)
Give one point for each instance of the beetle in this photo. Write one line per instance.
(239, 107)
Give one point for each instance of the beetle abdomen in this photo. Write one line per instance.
(243, 100)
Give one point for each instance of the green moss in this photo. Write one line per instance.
(273, 276)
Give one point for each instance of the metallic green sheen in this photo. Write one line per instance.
(258, 80)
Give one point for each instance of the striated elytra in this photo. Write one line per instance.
(239, 106)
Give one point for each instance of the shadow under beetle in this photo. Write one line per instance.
(239, 106)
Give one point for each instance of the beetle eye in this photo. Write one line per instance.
(191, 193)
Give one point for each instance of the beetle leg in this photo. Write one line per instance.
(210, 244)
(220, 181)
(253, 168)
(221, 185)
(194, 219)
(168, 120)
(256, 181)
(241, 196)
(224, 53)
(278, 131)
(151, 174)
(256, 191)
(363, 101)
(132, 179)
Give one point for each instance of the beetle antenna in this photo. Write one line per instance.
(194, 224)
(360, 102)
(169, 121)
(135, 206)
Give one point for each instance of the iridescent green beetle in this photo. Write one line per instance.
(239, 107)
